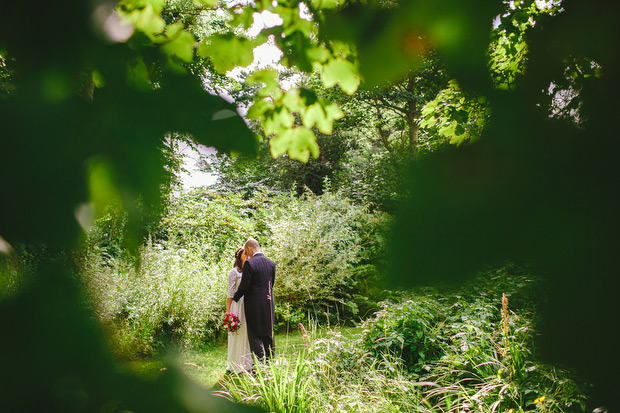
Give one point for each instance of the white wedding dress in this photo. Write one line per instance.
(239, 356)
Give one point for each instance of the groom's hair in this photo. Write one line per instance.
(252, 243)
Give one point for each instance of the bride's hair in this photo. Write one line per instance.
(238, 254)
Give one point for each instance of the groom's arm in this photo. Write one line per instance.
(244, 285)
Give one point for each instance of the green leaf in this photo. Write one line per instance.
(333, 111)
(342, 72)
(287, 14)
(314, 115)
(280, 118)
(205, 3)
(299, 25)
(308, 96)
(227, 51)
(456, 139)
(268, 77)
(318, 54)
(521, 17)
(326, 4)
(447, 130)
(322, 117)
(263, 5)
(262, 76)
(245, 18)
(146, 20)
(292, 101)
(182, 45)
(429, 108)
(174, 29)
(98, 79)
(158, 5)
(299, 143)
(138, 75)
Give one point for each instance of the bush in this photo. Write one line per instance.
(474, 349)
(171, 296)
(324, 250)
(407, 330)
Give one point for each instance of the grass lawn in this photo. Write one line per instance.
(207, 364)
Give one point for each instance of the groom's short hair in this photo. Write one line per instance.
(252, 243)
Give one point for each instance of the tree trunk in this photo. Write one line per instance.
(412, 116)
(413, 135)
(383, 133)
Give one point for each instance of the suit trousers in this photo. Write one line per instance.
(261, 346)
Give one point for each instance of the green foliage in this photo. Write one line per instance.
(404, 31)
(244, 173)
(405, 330)
(372, 177)
(228, 52)
(318, 244)
(476, 363)
(458, 343)
(18, 267)
(278, 386)
(227, 48)
(454, 117)
(216, 223)
(530, 188)
(58, 319)
(6, 74)
(174, 292)
(509, 48)
(332, 373)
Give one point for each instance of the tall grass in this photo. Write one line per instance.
(276, 385)
(328, 373)
(486, 360)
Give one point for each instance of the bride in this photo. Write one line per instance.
(239, 356)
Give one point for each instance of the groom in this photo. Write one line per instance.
(259, 273)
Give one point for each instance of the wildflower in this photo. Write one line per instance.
(505, 314)
(540, 399)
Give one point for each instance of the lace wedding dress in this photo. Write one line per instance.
(239, 356)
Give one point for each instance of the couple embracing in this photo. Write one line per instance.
(250, 297)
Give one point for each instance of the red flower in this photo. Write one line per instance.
(230, 322)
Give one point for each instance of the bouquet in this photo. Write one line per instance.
(231, 323)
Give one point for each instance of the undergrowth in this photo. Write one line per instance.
(464, 351)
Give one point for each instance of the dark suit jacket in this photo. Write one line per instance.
(259, 274)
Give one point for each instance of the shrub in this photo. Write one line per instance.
(324, 252)
(407, 330)
(171, 296)
(470, 350)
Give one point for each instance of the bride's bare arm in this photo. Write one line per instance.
(228, 303)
